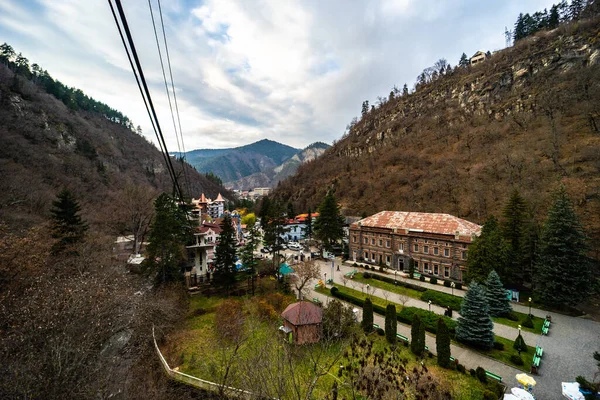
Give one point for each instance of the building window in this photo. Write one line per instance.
(380, 242)
(365, 240)
(426, 241)
(366, 256)
(435, 251)
(387, 244)
(416, 265)
(446, 252)
(373, 242)
(387, 260)
(416, 248)
(446, 272)
(426, 249)
(425, 267)
(353, 239)
(464, 245)
(373, 257)
(401, 246)
(436, 269)
(464, 255)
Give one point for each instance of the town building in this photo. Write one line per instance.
(295, 229)
(302, 322)
(201, 253)
(438, 243)
(204, 205)
(478, 57)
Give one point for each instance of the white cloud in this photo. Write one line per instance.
(296, 72)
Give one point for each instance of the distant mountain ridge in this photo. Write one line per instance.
(272, 176)
(235, 163)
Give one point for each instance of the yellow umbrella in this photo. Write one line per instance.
(525, 380)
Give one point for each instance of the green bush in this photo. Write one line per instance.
(498, 346)
(528, 322)
(461, 368)
(513, 316)
(355, 265)
(481, 375)
(433, 280)
(472, 372)
(401, 283)
(380, 332)
(442, 299)
(381, 268)
(458, 285)
(367, 275)
(489, 395)
(334, 290)
(519, 344)
(516, 359)
(447, 283)
(422, 278)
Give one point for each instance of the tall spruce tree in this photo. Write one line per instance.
(464, 60)
(367, 320)
(563, 271)
(224, 275)
(67, 226)
(391, 323)
(417, 335)
(513, 225)
(329, 226)
(168, 235)
(487, 252)
(442, 344)
(496, 296)
(475, 326)
(308, 231)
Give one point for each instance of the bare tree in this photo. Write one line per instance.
(344, 280)
(304, 272)
(386, 295)
(403, 298)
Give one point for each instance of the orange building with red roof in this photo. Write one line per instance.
(438, 243)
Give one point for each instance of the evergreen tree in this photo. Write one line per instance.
(391, 323)
(519, 31)
(291, 212)
(365, 108)
(367, 321)
(224, 275)
(247, 252)
(67, 226)
(487, 252)
(520, 344)
(411, 268)
(405, 90)
(475, 326)
(563, 271)
(417, 335)
(513, 225)
(554, 17)
(496, 296)
(575, 9)
(168, 234)
(464, 60)
(308, 231)
(329, 225)
(442, 344)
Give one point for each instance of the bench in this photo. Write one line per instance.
(316, 301)
(545, 331)
(426, 348)
(375, 326)
(417, 275)
(402, 337)
(539, 351)
(493, 376)
(536, 361)
(546, 324)
(452, 359)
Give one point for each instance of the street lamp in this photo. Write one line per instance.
(452, 285)
(429, 305)
(332, 262)
(395, 272)
(530, 306)
(325, 278)
(519, 348)
(368, 290)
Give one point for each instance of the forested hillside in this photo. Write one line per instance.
(526, 118)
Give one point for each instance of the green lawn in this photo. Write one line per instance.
(537, 322)
(387, 286)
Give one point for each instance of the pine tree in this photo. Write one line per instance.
(520, 344)
(365, 108)
(575, 9)
(442, 344)
(168, 234)
(367, 321)
(329, 225)
(67, 226)
(487, 252)
(513, 225)
(554, 17)
(224, 275)
(475, 326)
(411, 268)
(308, 231)
(563, 270)
(519, 31)
(405, 90)
(391, 323)
(464, 60)
(496, 296)
(417, 335)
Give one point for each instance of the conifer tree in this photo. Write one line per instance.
(308, 231)
(329, 225)
(514, 224)
(367, 321)
(224, 275)
(391, 323)
(487, 252)
(67, 226)
(520, 344)
(475, 326)
(417, 335)
(411, 268)
(464, 60)
(442, 344)
(405, 90)
(168, 234)
(519, 31)
(496, 296)
(563, 270)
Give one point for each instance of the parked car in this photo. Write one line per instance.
(294, 246)
(265, 250)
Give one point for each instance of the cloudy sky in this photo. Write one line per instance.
(292, 71)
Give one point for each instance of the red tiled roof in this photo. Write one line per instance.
(445, 224)
(303, 313)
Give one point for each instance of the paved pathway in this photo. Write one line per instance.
(568, 348)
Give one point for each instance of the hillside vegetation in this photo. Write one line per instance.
(526, 118)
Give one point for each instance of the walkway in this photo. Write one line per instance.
(568, 348)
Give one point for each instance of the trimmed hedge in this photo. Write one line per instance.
(433, 280)
(405, 315)
(397, 282)
(442, 299)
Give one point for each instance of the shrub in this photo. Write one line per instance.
(391, 323)
(519, 344)
(442, 299)
(442, 342)
(355, 265)
(367, 321)
(516, 359)
(513, 316)
(367, 275)
(381, 268)
(447, 283)
(433, 280)
(422, 278)
(429, 319)
(472, 372)
(489, 395)
(461, 368)
(380, 332)
(334, 290)
(481, 375)
(528, 322)
(458, 285)
(401, 283)
(498, 346)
